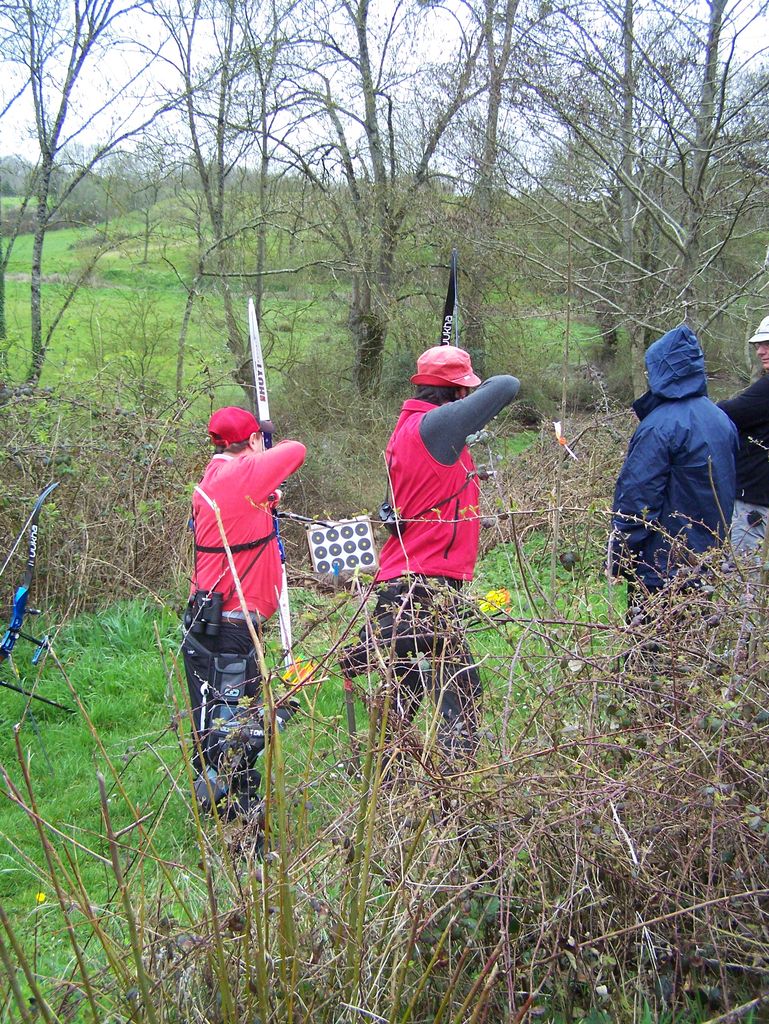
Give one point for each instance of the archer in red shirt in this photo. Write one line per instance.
(232, 507)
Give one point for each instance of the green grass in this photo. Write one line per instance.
(126, 317)
(9, 203)
(117, 673)
(517, 443)
(113, 662)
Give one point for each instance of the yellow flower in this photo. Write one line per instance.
(495, 601)
(40, 897)
(300, 672)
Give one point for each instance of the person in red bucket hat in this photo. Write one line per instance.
(433, 518)
(241, 482)
(446, 364)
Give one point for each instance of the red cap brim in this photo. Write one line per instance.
(467, 380)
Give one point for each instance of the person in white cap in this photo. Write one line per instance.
(749, 411)
(433, 546)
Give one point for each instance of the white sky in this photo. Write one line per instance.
(89, 125)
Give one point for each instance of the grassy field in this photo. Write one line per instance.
(126, 316)
(115, 663)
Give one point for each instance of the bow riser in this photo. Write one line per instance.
(20, 599)
(20, 604)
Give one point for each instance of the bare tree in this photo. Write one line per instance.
(472, 150)
(57, 47)
(654, 112)
(225, 57)
(378, 107)
(270, 41)
(150, 170)
(498, 24)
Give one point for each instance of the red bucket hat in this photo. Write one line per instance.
(231, 425)
(445, 365)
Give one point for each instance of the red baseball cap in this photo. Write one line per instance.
(231, 425)
(446, 366)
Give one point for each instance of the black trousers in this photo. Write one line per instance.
(419, 619)
(233, 640)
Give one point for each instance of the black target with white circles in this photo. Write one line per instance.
(342, 547)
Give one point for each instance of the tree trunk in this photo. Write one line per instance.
(702, 152)
(498, 55)
(369, 331)
(627, 203)
(3, 330)
(607, 325)
(2, 292)
(182, 343)
(36, 276)
(261, 231)
(146, 236)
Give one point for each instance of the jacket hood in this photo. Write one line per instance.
(675, 365)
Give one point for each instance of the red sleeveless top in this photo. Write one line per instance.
(439, 503)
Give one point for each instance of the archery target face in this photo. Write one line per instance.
(343, 547)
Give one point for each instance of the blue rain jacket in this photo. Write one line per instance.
(676, 488)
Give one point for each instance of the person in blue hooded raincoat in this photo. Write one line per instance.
(675, 492)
